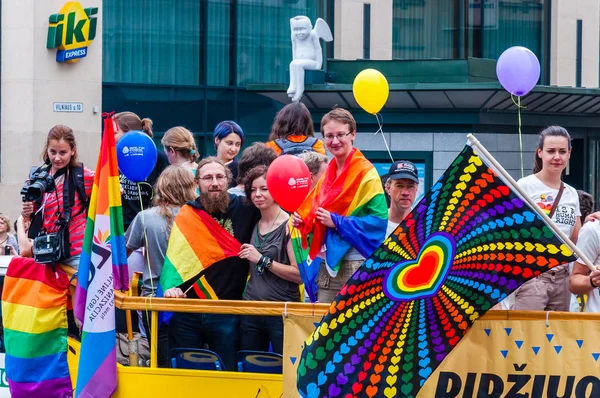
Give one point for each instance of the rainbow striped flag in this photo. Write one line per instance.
(102, 269)
(197, 241)
(34, 307)
(309, 268)
(358, 209)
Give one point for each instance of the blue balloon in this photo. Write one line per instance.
(136, 155)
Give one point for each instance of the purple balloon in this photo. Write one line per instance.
(518, 70)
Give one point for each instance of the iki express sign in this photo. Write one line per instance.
(71, 31)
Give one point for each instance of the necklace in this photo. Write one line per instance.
(4, 241)
(260, 241)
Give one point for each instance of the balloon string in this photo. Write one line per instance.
(151, 192)
(380, 130)
(146, 256)
(518, 104)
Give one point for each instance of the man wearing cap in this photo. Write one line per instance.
(401, 185)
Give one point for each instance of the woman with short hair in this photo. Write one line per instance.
(346, 210)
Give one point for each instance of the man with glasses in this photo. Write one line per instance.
(224, 280)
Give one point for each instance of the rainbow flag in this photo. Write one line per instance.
(309, 268)
(34, 307)
(196, 242)
(102, 269)
(358, 209)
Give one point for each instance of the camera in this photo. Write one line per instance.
(7, 250)
(40, 182)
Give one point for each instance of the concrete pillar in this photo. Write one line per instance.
(31, 82)
(348, 31)
(565, 14)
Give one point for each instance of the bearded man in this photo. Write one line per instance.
(224, 280)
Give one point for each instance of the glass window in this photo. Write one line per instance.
(218, 43)
(452, 29)
(424, 29)
(151, 42)
(508, 24)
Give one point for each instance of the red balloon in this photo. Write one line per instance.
(288, 181)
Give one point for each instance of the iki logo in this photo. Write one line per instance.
(71, 31)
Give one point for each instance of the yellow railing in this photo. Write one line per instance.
(235, 307)
(242, 307)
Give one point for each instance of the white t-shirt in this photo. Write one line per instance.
(391, 227)
(565, 215)
(589, 244)
(567, 210)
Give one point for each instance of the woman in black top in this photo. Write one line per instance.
(274, 274)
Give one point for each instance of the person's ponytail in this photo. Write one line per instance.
(147, 126)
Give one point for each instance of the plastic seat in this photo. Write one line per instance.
(196, 358)
(260, 362)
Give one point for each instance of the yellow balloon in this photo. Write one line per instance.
(371, 90)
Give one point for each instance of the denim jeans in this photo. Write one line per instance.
(219, 332)
(257, 331)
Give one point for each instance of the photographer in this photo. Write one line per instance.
(55, 199)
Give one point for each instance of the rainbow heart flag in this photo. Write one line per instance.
(197, 241)
(470, 242)
(102, 269)
(34, 309)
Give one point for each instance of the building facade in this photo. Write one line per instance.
(197, 62)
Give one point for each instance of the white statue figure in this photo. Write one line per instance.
(306, 51)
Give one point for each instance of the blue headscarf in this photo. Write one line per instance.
(225, 128)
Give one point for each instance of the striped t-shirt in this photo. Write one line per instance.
(53, 203)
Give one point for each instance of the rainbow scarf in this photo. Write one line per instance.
(196, 242)
(34, 307)
(358, 209)
(103, 267)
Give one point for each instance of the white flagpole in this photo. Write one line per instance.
(582, 258)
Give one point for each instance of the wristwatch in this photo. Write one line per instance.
(269, 264)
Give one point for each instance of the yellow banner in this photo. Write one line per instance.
(296, 328)
(521, 358)
(526, 358)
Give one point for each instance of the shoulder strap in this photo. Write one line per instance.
(557, 200)
(79, 174)
(68, 200)
(79, 182)
(68, 195)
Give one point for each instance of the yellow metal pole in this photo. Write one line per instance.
(133, 353)
(154, 340)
